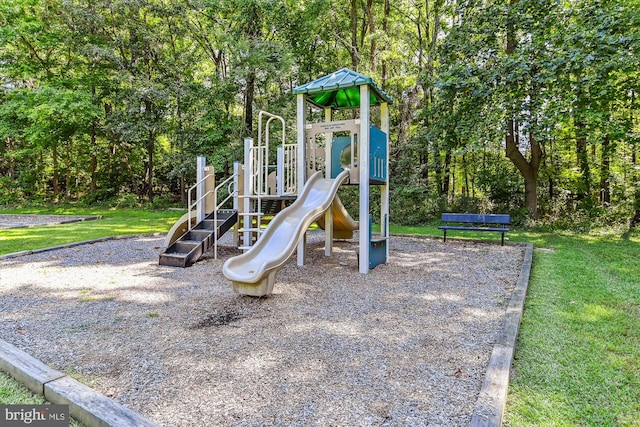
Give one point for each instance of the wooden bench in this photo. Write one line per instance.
(475, 222)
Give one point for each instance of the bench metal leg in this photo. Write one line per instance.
(445, 235)
(502, 242)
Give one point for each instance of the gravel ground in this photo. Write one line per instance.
(407, 344)
(28, 220)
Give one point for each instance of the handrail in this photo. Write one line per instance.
(263, 149)
(286, 170)
(257, 168)
(216, 206)
(190, 205)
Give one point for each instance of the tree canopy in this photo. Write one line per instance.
(521, 106)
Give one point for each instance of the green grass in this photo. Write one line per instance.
(577, 360)
(113, 223)
(14, 393)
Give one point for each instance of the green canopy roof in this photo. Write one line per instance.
(341, 90)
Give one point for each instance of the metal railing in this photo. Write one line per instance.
(260, 171)
(198, 199)
(287, 173)
(232, 192)
(257, 170)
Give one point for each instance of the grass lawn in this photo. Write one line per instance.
(114, 222)
(577, 360)
(14, 393)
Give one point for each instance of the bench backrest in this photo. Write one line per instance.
(477, 218)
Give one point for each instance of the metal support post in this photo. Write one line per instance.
(247, 193)
(302, 164)
(363, 158)
(201, 163)
(328, 216)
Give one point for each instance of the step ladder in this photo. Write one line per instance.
(188, 249)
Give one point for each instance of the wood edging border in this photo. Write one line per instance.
(490, 406)
(85, 404)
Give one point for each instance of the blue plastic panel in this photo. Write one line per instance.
(377, 155)
(341, 155)
(339, 148)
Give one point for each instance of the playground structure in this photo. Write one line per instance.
(300, 189)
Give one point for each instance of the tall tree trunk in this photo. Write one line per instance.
(528, 169)
(180, 143)
(253, 32)
(465, 190)
(67, 177)
(56, 174)
(438, 168)
(385, 24)
(605, 171)
(150, 150)
(407, 109)
(372, 31)
(93, 162)
(550, 180)
(446, 178)
(582, 156)
(248, 102)
(9, 160)
(150, 166)
(635, 221)
(424, 167)
(355, 56)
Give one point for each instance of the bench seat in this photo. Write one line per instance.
(457, 227)
(475, 222)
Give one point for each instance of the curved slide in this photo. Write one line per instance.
(343, 224)
(253, 272)
(180, 228)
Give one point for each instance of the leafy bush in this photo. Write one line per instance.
(108, 198)
(165, 201)
(413, 205)
(9, 194)
(127, 200)
(99, 197)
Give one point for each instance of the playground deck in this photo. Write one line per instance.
(407, 344)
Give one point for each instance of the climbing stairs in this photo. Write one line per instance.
(185, 251)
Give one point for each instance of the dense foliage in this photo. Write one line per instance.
(521, 106)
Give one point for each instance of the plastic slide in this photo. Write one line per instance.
(180, 228)
(343, 224)
(253, 272)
